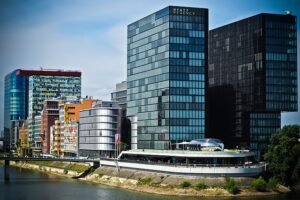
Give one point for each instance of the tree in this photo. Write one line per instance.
(283, 155)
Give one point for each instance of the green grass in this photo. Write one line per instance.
(77, 167)
(144, 181)
(41, 163)
(61, 165)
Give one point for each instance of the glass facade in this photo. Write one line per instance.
(262, 126)
(25, 92)
(120, 94)
(281, 64)
(252, 77)
(15, 109)
(167, 62)
(42, 87)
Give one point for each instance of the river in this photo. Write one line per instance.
(28, 184)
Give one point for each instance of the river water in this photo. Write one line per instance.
(28, 184)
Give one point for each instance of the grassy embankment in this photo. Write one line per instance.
(61, 165)
(164, 184)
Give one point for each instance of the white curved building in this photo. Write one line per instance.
(97, 129)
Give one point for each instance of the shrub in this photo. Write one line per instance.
(272, 183)
(259, 184)
(230, 186)
(100, 175)
(65, 171)
(185, 184)
(92, 170)
(144, 181)
(200, 185)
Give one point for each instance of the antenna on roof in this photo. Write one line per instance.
(288, 12)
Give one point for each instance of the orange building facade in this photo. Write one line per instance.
(72, 110)
(69, 115)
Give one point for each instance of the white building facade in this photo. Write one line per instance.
(98, 128)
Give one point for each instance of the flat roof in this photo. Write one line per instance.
(47, 72)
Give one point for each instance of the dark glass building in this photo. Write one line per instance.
(252, 78)
(167, 62)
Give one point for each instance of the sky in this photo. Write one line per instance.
(90, 36)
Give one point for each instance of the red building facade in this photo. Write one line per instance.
(49, 114)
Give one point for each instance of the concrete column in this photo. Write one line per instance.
(6, 170)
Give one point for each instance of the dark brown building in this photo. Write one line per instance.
(49, 114)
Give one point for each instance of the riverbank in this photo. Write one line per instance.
(150, 182)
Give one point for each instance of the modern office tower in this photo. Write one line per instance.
(49, 115)
(166, 77)
(120, 95)
(98, 128)
(25, 92)
(252, 79)
(15, 109)
(48, 85)
(69, 115)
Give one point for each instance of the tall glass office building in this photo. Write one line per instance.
(167, 62)
(15, 109)
(25, 92)
(41, 87)
(252, 78)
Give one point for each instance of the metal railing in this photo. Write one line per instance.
(210, 165)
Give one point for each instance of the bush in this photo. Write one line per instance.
(230, 186)
(200, 185)
(272, 183)
(185, 184)
(144, 181)
(65, 171)
(259, 184)
(100, 175)
(92, 170)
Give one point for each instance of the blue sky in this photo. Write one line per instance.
(90, 35)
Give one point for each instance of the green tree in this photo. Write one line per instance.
(283, 155)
